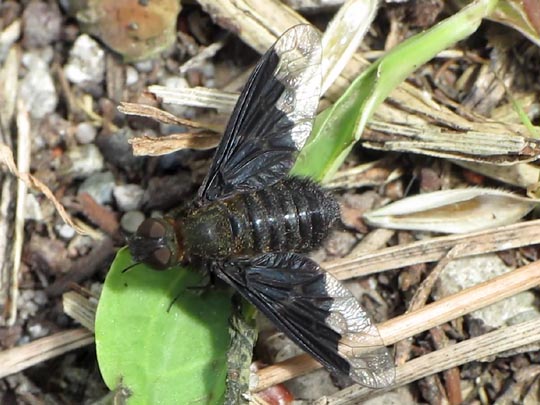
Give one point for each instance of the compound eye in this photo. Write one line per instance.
(151, 228)
(160, 258)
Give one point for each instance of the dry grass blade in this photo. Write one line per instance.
(478, 143)
(364, 175)
(452, 356)
(343, 36)
(458, 210)
(19, 358)
(23, 165)
(75, 305)
(521, 175)
(6, 157)
(196, 97)
(9, 90)
(80, 308)
(415, 322)
(164, 117)
(154, 146)
(430, 250)
(261, 22)
(5, 228)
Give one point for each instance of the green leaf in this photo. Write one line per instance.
(339, 127)
(159, 355)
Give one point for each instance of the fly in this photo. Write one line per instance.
(251, 221)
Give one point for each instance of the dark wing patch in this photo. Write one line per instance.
(315, 311)
(272, 118)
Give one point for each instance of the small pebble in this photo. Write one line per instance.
(37, 89)
(37, 331)
(132, 76)
(32, 208)
(86, 159)
(65, 231)
(340, 243)
(85, 133)
(175, 82)
(131, 220)
(26, 304)
(38, 58)
(40, 297)
(145, 66)
(99, 186)
(42, 24)
(80, 245)
(466, 272)
(208, 71)
(128, 196)
(86, 61)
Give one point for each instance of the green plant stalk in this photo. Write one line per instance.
(339, 127)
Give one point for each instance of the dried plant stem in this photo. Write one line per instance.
(80, 308)
(431, 315)
(19, 358)
(5, 227)
(258, 23)
(23, 166)
(164, 117)
(204, 97)
(434, 249)
(157, 146)
(6, 158)
(489, 344)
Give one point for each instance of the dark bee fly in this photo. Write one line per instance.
(249, 217)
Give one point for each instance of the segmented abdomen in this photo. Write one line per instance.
(291, 215)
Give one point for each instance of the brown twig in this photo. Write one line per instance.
(452, 377)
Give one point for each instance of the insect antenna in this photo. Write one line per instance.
(130, 267)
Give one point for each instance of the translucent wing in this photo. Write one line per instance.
(316, 311)
(272, 118)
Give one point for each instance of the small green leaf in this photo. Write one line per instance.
(160, 355)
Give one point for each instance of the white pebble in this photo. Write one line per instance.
(65, 231)
(128, 196)
(85, 133)
(132, 76)
(85, 159)
(131, 220)
(145, 66)
(37, 89)
(86, 61)
(32, 208)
